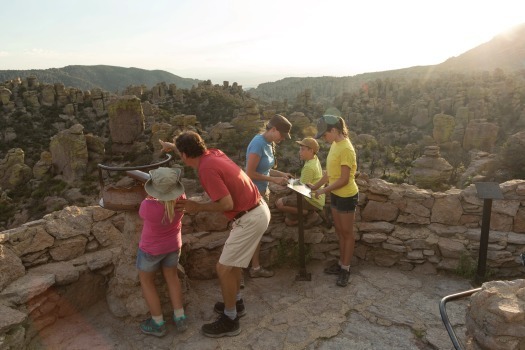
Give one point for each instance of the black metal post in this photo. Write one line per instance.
(303, 275)
(484, 241)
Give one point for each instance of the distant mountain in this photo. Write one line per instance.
(108, 78)
(505, 51)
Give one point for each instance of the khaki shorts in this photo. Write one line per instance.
(291, 201)
(244, 237)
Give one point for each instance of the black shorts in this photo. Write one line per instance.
(344, 204)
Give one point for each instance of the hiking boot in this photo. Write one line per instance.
(181, 323)
(342, 280)
(223, 326)
(261, 272)
(239, 305)
(152, 328)
(333, 269)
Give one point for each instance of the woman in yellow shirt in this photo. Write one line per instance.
(341, 166)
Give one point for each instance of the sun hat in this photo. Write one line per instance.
(164, 184)
(281, 124)
(310, 143)
(323, 122)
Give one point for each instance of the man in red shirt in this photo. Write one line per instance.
(232, 192)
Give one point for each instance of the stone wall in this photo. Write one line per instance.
(496, 316)
(56, 266)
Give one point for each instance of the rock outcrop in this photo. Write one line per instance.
(480, 135)
(430, 170)
(69, 153)
(13, 170)
(126, 120)
(496, 316)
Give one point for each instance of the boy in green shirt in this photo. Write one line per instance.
(310, 174)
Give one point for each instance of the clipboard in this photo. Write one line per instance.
(297, 186)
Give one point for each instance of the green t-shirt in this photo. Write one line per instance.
(342, 153)
(310, 174)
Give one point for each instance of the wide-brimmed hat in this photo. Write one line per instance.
(164, 184)
(310, 143)
(324, 123)
(281, 124)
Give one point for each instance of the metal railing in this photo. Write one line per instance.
(126, 198)
(444, 316)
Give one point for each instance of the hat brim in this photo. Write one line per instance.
(175, 193)
(319, 134)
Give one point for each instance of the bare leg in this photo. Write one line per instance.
(288, 209)
(344, 227)
(175, 291)
(229, 278)
(149, 291)
(337, 225)
(255, 257)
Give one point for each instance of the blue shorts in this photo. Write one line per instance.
(344, 204)
(151, 263)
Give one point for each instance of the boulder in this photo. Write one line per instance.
(430, 170)
(13, 171)
(69, 153)
(496, 315)
(126, 119)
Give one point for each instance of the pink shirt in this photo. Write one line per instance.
(159, 236)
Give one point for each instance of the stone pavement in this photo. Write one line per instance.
(382, 308)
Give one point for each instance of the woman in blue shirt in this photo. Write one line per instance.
(260, 164)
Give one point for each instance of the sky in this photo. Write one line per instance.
(245, 41)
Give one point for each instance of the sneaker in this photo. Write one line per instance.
(223, 326)
(152, 328)
(239, 305)
(333, 269)
(342, 280)
(261, 272)
(181, 323)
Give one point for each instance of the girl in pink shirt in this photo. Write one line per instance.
(159, 247)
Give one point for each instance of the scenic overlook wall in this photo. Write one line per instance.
(53, 267)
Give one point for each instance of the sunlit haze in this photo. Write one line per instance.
(249, 42)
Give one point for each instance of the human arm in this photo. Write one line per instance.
(340, 182)
(224, 204)
(277, 173)
(251, 165)
(167, 146)
(319, 183)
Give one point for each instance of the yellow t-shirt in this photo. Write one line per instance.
(342, 153)
(310, 174)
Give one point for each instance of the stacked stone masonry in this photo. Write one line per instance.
(70, 259)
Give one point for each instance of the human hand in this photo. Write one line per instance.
(187, 206)
(283, 181)
(166, 146)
